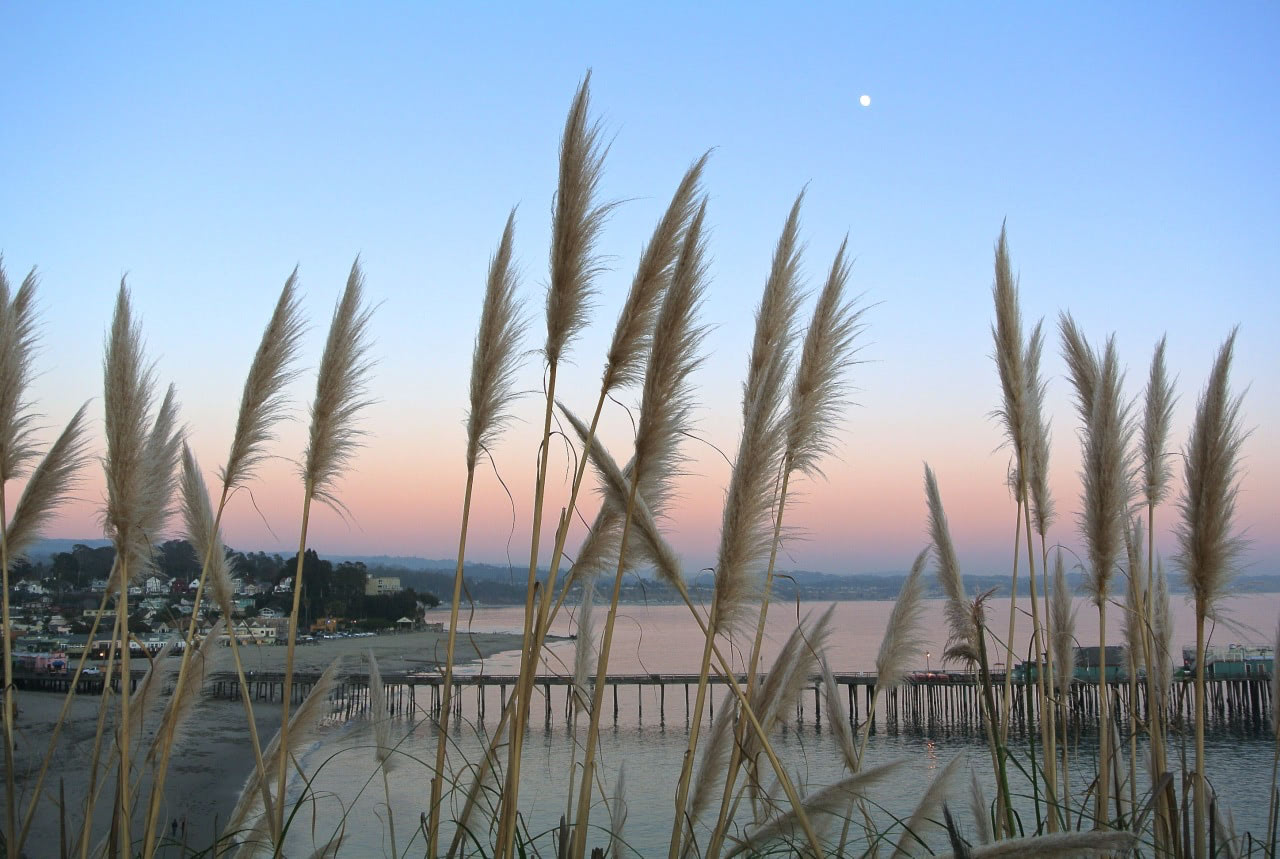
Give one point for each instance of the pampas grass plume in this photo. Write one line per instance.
(50, 485)
(17, 351)
(497, 350)
(575, 226)
(263, 401)
(904, 638)
(979, 809)
(927, 809)
(1155, 429)
(1207, 544)
(1107, 490)
(1037, 453)
(817, 392)
(1007, 333)
(963, 641)
(1065, 845)
(631, 336)
(199, 518)
(746, 533)
(341, 393)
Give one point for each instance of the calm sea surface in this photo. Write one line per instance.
(664, 639)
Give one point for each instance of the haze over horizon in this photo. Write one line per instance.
(205, 152)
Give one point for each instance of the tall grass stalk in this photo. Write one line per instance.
(576, 224)
(1208, 546)
(493, 367)
(332, 442)
(815, 406)
(747, 535)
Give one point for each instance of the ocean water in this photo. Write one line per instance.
(650, 750)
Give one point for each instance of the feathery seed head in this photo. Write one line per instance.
(1208, 546)
(1155, 429)
(341, 393)
(497, 350)
(575, 225)
(1037, 453)
(1106, 472)
(1007, 333)
(50, 485)
(1082, 364)
(746, 530)
(904, 639)
(17, 351)
(657, 259)
(127, 396)
(817, 391)
(963, 640)
(263, 401)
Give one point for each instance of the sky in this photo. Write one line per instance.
(202, 151)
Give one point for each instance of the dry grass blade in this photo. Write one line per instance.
(1208, 548)
(263, 402)
(199, 519)
(963, 640)
(980, 810)
(575, 226)
(50, 485)
(831, 800)
(1037, 453)
(17, 351)
(303, 725)
(1155, 429)
(1062, 625)
(904, 638)
(1007, 333)
(128, 392)
(746, 530)
(497, 350)
(912, 838)
(341, 393)
(1066, 845)
(711, 769)
(1107, 490)
(817, 392)
(635, 322)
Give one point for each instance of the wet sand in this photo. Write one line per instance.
(213, 759)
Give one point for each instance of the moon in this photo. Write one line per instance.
(865, 101)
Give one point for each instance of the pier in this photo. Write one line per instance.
(934, 698)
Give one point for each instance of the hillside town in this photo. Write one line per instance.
(55, 602)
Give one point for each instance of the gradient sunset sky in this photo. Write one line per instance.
(203, 151)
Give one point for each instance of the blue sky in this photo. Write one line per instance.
(204, 151)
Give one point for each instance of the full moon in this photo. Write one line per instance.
(865, 101)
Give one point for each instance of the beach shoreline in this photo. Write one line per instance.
(212, 760)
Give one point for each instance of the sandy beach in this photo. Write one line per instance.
(210, 764)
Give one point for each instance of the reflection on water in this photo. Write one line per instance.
(1239, 768)
(664, 639)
